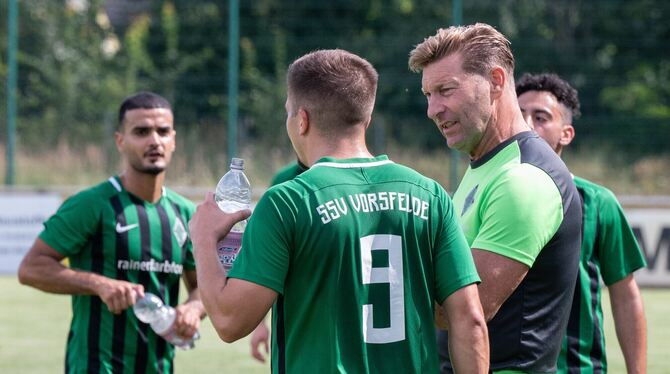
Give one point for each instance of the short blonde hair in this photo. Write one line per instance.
(482, 47)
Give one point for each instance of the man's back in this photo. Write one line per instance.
(352, 246)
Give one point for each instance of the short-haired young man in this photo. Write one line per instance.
(123, 237)
(353, 252)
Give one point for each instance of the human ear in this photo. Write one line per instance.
(304, 124)
(498, 78)
(118, 139)
(567, 134)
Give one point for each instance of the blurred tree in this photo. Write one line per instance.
(67, 74)
(75, 65)
(612, 52)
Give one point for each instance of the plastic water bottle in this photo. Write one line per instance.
(233, 193)
(151, 309)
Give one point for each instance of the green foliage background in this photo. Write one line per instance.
(71, 78)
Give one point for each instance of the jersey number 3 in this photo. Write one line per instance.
(393, 275)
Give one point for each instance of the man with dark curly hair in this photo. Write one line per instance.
(609, 249)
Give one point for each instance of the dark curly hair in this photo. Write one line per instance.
(563, 91)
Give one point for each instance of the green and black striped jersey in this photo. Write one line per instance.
(108, 231)
(610, 251)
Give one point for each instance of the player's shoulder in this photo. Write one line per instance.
(286, 188)
(90, 201)
(525, 176)
(98, 193)
(596, 191)
(520, 187)
(585, 184)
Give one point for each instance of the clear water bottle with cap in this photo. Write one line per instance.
(151, 309)
(233, 193)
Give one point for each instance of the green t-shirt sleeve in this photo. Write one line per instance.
(619, 252)
(264, 256)
(520, 213)
(454, 266)
(70, 228)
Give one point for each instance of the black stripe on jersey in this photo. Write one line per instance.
(67, 351)
(596, 346)
(119, 329)
(281, 336)
(166, 250)
(96, 304)
(143, 279)
(166, 240)
(572, 354)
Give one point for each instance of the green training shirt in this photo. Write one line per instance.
(609, 249)
(108, 231)
(519, 202)
(358, 250)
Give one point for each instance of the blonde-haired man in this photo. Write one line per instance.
(517, 203)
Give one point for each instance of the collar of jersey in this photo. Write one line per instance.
(116, 182)
(347, 163)
(492, 153)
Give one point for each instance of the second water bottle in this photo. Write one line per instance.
(151, 309)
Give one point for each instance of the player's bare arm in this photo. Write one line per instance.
(42, 268)
(233, 313)
(468, 334)
(630, 323)
(500, 277)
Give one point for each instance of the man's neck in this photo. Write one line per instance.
(349, 147)
(147, 187)
(506, 121)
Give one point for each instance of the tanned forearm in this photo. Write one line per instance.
(235, 306)
(630, 323)
(41, 268)
(211, 280)
(49, 275)
(500, 277)
(468, 333)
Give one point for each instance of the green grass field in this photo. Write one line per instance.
(33, 326)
